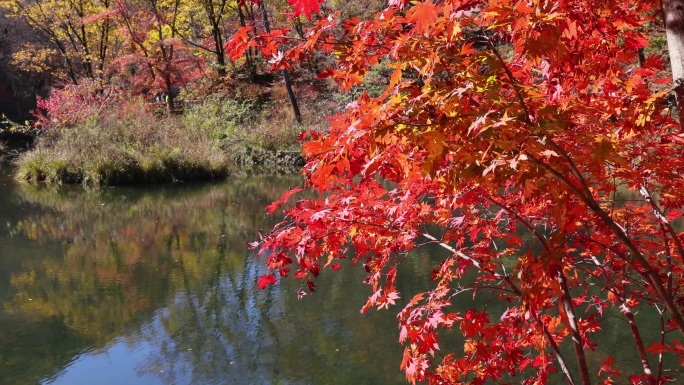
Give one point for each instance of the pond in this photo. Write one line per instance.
(156, 286)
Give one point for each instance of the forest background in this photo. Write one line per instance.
(144, 76)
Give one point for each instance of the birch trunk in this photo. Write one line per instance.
(673, 13)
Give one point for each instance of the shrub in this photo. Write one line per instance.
(121, 145)
(220, 118)
(239, 125)
(74, 104)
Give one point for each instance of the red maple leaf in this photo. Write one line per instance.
(274, 206)
(266, 280)
(239, 43)
(307, 7)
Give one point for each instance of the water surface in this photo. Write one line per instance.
(156, 286)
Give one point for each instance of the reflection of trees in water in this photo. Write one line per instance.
(226, 331)
(229, 332)
(31, 348)
(125, 255)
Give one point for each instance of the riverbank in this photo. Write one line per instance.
(13, 143)
(209, 141)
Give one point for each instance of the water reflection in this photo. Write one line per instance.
(155, 286)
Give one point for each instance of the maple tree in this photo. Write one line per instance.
(151, 48)
(250, 35)
(157, 48)
(73, 104)
(503, 121)
(209, 20)
(159, 60)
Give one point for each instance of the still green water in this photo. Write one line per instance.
(129, 286)
(156, 286)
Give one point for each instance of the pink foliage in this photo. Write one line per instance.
(74, 104)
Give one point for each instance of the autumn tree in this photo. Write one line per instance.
(673, 12)
(528, 140)
(208, 21)
(18, 89)
(258, 34)
(75, 43)
(158, 60)
(285, 71)
(136, 45)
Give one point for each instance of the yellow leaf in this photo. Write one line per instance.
(469, 346)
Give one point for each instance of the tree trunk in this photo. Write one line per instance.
(646, 366)
(673, 13)
(577, 341)
(220, 54)
(291, 95)
(217, 35)
(168, 98)
(286, 74)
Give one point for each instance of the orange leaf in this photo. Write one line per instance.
(422, 15)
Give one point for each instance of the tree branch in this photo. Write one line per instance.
(659, 214)
(518, 292)
(653, 276)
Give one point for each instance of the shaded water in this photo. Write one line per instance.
(156, 286)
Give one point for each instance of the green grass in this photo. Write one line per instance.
(243, 125)
(133, 146)
(131, 143)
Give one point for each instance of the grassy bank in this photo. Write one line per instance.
(133, 143)
(119, 149)
(99, 139)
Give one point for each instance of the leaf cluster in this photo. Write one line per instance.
(534, 138)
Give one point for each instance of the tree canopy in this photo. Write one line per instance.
(149, 48)
(546, 118)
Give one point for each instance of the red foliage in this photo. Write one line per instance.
(266, 280)
(159, 61)
(307, 7)
(72, 104)
(500, 117)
